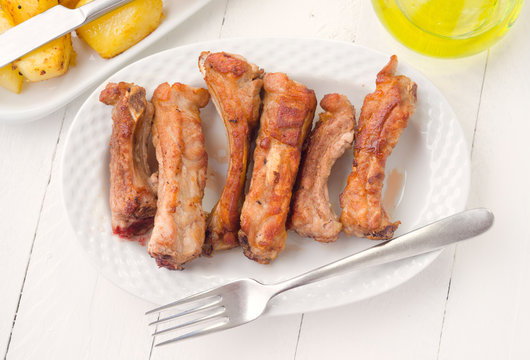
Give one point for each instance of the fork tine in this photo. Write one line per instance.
(201, 295)
(199, 332)
(207, 306)
(192, 322)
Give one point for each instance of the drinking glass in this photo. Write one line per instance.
(448, 28)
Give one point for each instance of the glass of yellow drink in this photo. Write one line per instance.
(448, 28)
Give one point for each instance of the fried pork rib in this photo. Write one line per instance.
(311, 211)
(288, 111)
(179, 229)
(235, 86)
(132, 194)
(384, 115)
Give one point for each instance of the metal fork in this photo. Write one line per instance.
(242, 301)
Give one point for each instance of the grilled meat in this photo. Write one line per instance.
(235, 87)
(384, 115)
(178, 234)
(132, 193)
(311, 211)
(288, 111)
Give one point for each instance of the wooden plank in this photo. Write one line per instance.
(27, 152)
(404, 323)
(67, 309)
(294, 18)
(266, 338)
(487, 313)
(61, 298)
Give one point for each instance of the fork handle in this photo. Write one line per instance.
(458, 227)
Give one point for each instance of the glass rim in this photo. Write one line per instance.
(507, 15)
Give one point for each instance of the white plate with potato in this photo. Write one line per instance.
(427, 176)
(39, 98)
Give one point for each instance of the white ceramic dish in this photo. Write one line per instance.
(40, 99)
(429, 171)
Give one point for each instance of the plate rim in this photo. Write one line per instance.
(428, 258)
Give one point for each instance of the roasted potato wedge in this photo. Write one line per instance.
(69, 3)
(9, 75)
(22, 10)
(11, 79)
(120, 29)
(48, 61)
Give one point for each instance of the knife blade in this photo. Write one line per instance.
(50, 25)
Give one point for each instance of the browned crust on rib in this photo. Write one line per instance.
(132, 201)
(235, 86)
(288, 111)
(178, 234)
(311, 211)
(384, 115)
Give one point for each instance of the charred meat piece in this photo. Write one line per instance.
(288, 111)
(384, 115)
(132, 194)
(311, 211)
(178, 234)
(235, 87)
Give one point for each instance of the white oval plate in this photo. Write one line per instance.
(431, 159)
(42, 98)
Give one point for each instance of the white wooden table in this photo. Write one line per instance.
(471, 303)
